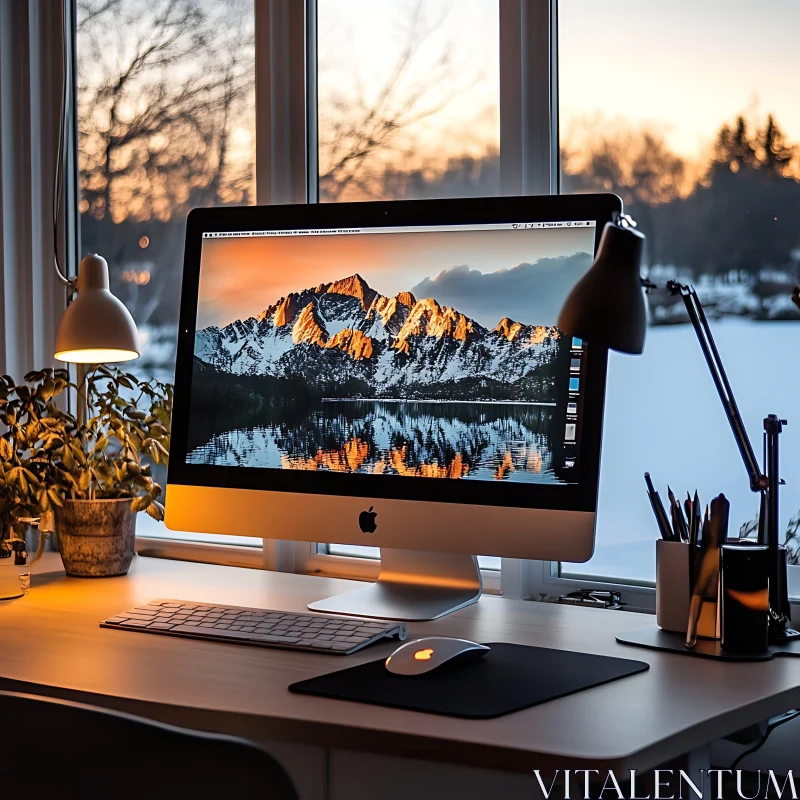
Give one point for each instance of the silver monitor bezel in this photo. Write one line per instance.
(283, 494)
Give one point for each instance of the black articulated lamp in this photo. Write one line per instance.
(606, 307)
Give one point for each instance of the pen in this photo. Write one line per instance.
(658, 509)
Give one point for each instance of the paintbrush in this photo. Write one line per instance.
(696, 562)
(706, 587)
(695, 603)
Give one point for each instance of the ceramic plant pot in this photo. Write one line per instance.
(96, 537)
(15, 576)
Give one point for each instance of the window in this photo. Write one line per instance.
(688, 112)
(408, 99)
(166, 122)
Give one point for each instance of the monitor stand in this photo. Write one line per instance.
(412, 586)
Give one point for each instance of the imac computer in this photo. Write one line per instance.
(390, 374)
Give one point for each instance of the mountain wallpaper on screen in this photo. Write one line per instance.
(345, 340)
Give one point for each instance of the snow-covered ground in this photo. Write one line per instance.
(741, 296)
(663, 416)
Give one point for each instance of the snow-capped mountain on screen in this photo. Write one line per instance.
(347, 337)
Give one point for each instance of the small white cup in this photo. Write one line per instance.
(672, 585)
(673, 595)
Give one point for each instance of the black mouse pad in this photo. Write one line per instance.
(508, 678)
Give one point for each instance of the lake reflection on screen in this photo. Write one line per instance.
(478, 441)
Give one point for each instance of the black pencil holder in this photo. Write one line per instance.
(744, 574)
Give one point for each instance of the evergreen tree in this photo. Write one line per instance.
(775, 154)
(733, 150)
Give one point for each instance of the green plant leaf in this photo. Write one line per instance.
(156, 511)
(140, 503)
(84, 480)
(47, 388)
(46, 457)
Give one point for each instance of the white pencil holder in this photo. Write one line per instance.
(672, 585)
(673, 595)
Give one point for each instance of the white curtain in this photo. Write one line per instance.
(31, 73)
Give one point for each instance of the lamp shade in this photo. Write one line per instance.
(606, 306)
(96, 327)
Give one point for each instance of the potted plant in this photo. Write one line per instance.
(95, 477)
(105, 478)
(29, 451)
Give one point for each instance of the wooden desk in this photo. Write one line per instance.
(50, 643)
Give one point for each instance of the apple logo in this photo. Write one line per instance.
(366, 521)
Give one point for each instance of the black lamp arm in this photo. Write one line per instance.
(766, 481)
(758, 480)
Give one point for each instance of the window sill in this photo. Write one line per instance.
(226, 555)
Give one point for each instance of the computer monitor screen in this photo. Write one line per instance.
(365, 360)
(399, 353)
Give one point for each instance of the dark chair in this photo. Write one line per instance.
(58, 749)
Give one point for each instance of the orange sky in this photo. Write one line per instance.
(681, 67)
(239, 278)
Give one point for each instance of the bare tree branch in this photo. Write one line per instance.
(358, 130)
(156, 112)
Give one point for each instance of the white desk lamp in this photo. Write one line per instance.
(96, 327)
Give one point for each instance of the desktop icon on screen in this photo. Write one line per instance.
(573, 384)
(577, 343)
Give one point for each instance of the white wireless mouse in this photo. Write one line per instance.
(426, 655)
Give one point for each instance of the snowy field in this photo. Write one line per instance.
(663, 416)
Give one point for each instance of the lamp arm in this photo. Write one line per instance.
(697, 316)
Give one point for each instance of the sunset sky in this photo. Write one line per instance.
(683, 67)
(239, 278)
(680, 67)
